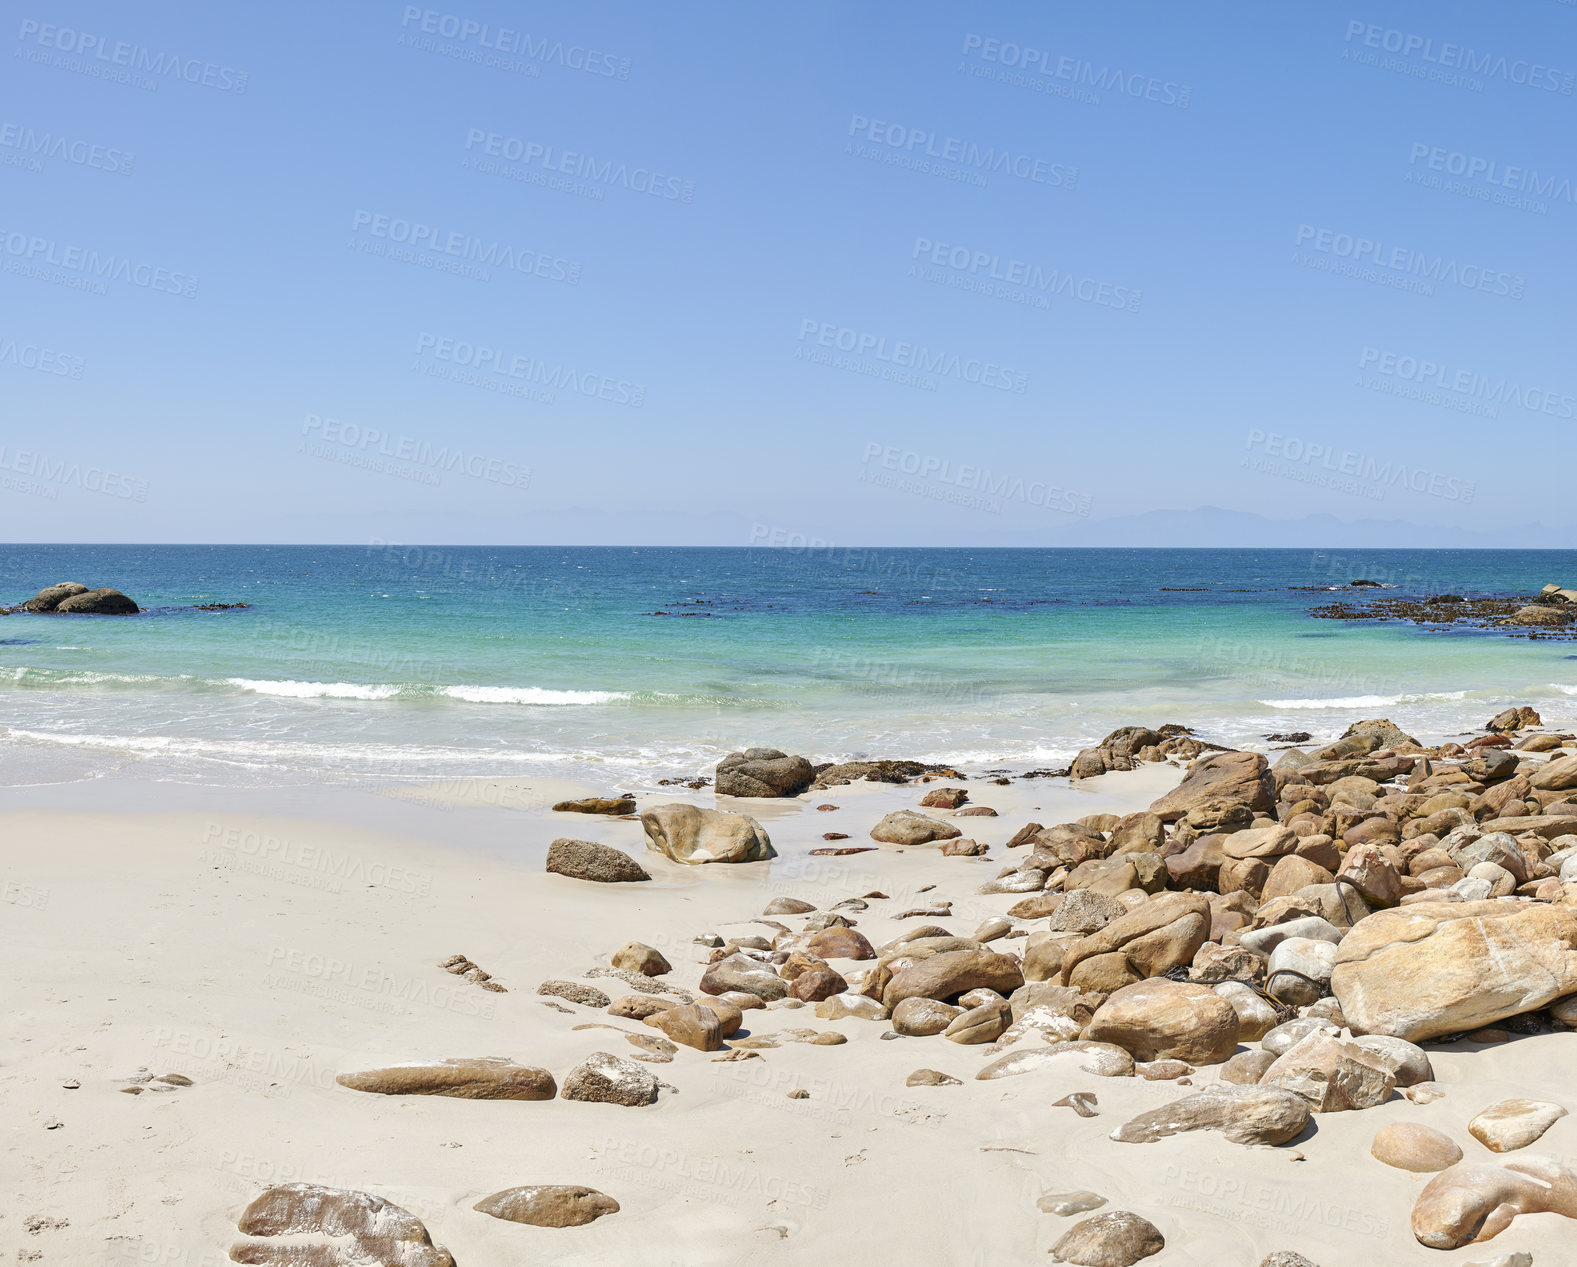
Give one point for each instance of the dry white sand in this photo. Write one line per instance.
(261, 953)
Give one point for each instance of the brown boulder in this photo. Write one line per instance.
(333, 1227)
(1241, 776)
(587, 860)
(946, 975)
(1161, 1020)
(1165, 932)
(549, 1205)
(840, 943)
(474, 1078)
(816, 984)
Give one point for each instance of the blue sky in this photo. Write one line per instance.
(719, 274)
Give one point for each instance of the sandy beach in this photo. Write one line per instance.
(261, 945)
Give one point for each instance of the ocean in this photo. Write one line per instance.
(624, 665)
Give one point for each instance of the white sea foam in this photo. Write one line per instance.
(529, 695)
(1366, 701)
(315, 690)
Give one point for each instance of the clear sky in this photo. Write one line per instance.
(724, 273)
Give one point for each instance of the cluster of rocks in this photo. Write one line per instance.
(1277, 941)
(71, 597)
(1129, 746)
(769, 772)
(1550, 613)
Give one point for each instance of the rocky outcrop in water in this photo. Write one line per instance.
(68, 597)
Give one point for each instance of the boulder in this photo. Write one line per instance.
(1165, 932)
(617, 805)
(946, 975)
(944, 798)
(574, 992)
(910, 827)
(746, 975)
(1246, 1068)
(1409, 1063)
(918, 1017)
(1245, 1115)
(1300, 970)
(843, 1006)
(763, 772)
(1291, 873)
(1556, 775)
(1432, 968)
(1514, 1124)
(1380, 733)
(473, 1078)
(587, 860)
(98, 603)
(1475, 1201)
(689, 834)
(1415, 1147)
(1284, 1037)
(1162, 1019)
(1085, 911)
(1256, 1017)
(1199, 865)
(1119, 1238)
(840, 943)
(603, 1078)
(1332, 1075)
(333, 1227)
(637, 1007)
(787, 906)
(1513, 719)
(549, 1205)
(1239, 776)
(984, 1023)
(694, 1024)
(729, 1012)
(817, 984)
(637, 956)
(1535, 614)
(46, 600)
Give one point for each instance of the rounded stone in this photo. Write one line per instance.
(1414, 1146)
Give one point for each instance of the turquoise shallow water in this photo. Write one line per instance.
(625, 665)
